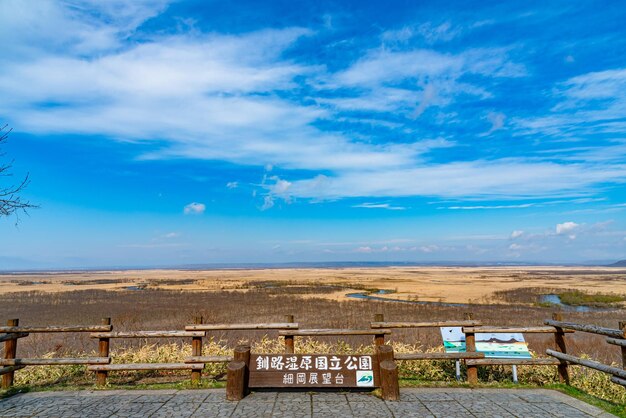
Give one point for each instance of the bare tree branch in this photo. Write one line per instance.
(11, 203)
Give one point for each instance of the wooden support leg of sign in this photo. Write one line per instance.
(559, 342)
(470, 346)
(238, 374)
(10, 351)
(196, 351)
(103, 348)
(388, 372)
(235, 380)
(389, 381)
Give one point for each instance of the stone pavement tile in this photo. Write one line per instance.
(331, 409)
(524, 409)
(361, 397)
(253, 409)
(153, 397)
(434, 396)
(506, 395)
(139, 410)
(66, 411)
(563, 398)
(292, 410)
(215, 409)
(102, 409)
(193, 396)
(559, 409)
(408, 409)
(487, 408)
(447, 409)
(177, 410)
(370, 409)
(329, 397)
(293, 397)
(152, 391)
(534, 397)
(256, 397)
(27, 409)
(463, 397)
(16, 400)
(47, 403)
(215, 395)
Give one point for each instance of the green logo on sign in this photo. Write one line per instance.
(365, 378)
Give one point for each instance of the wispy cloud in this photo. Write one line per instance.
(378, 206)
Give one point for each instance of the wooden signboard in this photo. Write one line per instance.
(313, 371)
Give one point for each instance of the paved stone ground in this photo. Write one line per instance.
(211, 403)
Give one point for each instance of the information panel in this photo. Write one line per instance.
(493, 345)
(312, 371)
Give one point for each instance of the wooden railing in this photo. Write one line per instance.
(616, 337)
(289, 330)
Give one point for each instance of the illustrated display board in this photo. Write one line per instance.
(312, 371)
(493, 345)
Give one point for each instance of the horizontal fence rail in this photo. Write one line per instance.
(147, 334)
(437, 356)
(594, 329)
(621, 373)
(514, 330)
(70, 328)
(383, 324)
(322, 332)
(242, 327)
(54, 361)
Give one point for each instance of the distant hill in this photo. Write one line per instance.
(620, 263)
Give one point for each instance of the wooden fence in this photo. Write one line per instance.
(289, 330)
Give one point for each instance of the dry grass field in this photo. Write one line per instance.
(429, 284)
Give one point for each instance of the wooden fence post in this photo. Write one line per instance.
(470, 347)
(388, 372)
(238, 372)
(196, 351)
(289, 343)
(10, 352)
(622, 326)
(379, 339)
(559, 343)
(103, 346)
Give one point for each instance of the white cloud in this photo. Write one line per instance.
(378, 206)
(567, 228)
(497, 122)
(516, 234)
(481, 207)
(232, 184)
(194, 208)
(170, 235)
(591, 103)
(507, 178)
(268, 202)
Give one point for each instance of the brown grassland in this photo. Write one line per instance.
(169, 299)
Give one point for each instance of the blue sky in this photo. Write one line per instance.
(183, 132)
